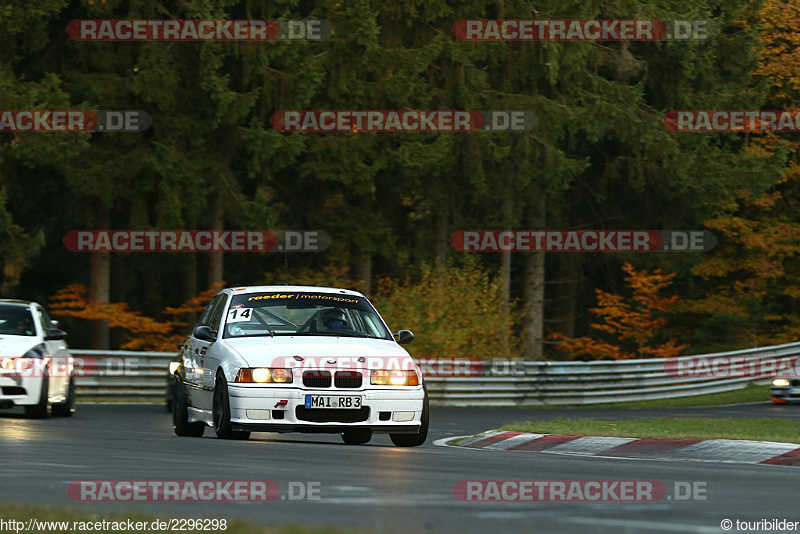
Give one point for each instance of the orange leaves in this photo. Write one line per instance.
(634, 323)
(143, 333)
(780, 46)
(750, 281)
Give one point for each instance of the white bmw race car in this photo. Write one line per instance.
(298, 359)
(36, 369)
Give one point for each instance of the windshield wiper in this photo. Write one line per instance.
(333, 334)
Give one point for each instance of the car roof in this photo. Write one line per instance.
(16, 302)
(244, 290)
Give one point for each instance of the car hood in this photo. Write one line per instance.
(12, 346)
(318, 352)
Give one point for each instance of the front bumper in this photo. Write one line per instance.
(786, 394)
(16, 390)
(386, 411)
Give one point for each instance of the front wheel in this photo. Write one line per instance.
(180, 413)
(66, 408)
(221, 412)
(415, 440)
(41, 409)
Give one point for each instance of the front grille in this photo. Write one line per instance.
(347, 379)
(13, 390)
(331, 415)
(317, 379)
(795, 382)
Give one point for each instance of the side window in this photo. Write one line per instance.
(45, 321)
(216, 313)
(206, 315)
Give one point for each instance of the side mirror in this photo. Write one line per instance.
(204, 333)
(404, 337)
(54, 334)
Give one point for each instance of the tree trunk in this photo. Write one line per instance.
(364, 271)
(189, 283)
(214, 274)
(442, 236)
(533, 294)
(567, 294)
(117, 294)
(100, 282)
(505, 255)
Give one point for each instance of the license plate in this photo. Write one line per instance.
(341, 402)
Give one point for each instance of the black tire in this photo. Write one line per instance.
(415, 440)
(221, 412)
(357, 436)
(41, 409)
(66, 408)
(170, 395)
(180, 413)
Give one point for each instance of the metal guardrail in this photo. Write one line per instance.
(131, 376)
(121, 375)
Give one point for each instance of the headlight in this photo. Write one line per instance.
(383, 377)
(780, 382)
(264, 375)
(18, 364)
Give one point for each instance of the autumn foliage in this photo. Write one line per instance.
(752, 280)
(454, 312)
(142, 332)
(632, 326)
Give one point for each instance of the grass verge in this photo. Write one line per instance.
(24, 513)
(762, 429)
(751, 393)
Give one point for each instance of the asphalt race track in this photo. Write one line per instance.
(377, 486)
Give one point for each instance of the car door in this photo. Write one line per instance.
(191, 358)
(200, 347)
(58, 353)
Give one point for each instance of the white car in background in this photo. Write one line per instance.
(785, 388)
(36, 368)
(298, 359)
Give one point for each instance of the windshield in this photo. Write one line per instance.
(303, 314)
(16, 321)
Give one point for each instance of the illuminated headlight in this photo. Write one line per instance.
(173, 366)
(781, 382)
(264, 375)
(17, 364)
(261, 375)
(382, 377)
